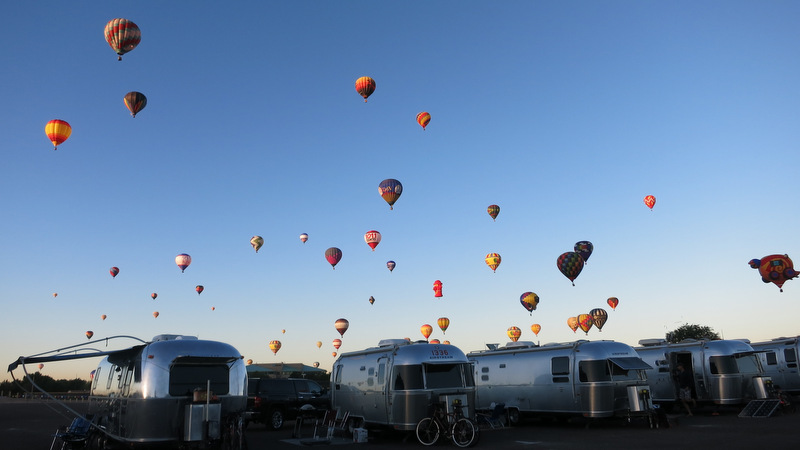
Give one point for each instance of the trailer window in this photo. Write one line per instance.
(407, 377)
(96, 378)
(791, 357)
(748, 364)
(184, 378)
(772, 358)
(560, 365)
(443, 376)
(590, 371)
(720, 365)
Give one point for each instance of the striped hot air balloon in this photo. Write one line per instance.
(122, 35)
(135, 102)
(57, 131)
(423, 119)
(493, 261)
(365, 86)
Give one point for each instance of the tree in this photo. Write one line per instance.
(687, 331)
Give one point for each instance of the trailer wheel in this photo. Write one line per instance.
(513, 416)
(275, 419)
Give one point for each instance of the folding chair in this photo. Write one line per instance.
(326, 423)
(497, 417)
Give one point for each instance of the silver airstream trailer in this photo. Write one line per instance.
(779, 360)
(587, 378)
(395, 383)
(725, 372)
(174, 390)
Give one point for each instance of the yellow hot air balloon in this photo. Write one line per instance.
(514, 333)
(493, 260)
(57, 131)
(319, 344)
(585, 322)
(443, 323)
(249, 361)
(275, 346)
(426, 330)
(536, 328)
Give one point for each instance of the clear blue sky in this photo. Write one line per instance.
(566, 114)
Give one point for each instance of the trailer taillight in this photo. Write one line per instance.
(257, 402)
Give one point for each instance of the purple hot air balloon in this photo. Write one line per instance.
(390, 265)
(584, 248)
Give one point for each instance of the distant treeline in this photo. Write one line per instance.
(45, 382)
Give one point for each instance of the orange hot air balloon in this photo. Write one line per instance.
(155, 314)
(319, 344)
(365, 86)
(57, 131)
(493, 261)
(153, 295)
(446, 342)
(334, 354)
(341, 326)
(89, 334)
(443, 323)
(199, 288)
(213, 308)
(423, 119)
(55, 294)
(103, 317)
(650, 201)
(275, 346)
(315, 364)
(40, 366)
(337, 343)
(613, 302)
(426, 330)
(283, 331)
(435, 341)
(514, 333)
(585, 322)
(572, 322)
(536, 328)
(249, 361)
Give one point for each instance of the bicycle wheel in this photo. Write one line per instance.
(428, 431)
(463, 432)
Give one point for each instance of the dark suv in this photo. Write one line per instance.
(273, 400)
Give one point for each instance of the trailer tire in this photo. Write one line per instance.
(513, 416)
(275, 419)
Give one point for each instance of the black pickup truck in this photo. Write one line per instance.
(274, 400)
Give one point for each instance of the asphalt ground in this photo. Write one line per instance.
(30, 424)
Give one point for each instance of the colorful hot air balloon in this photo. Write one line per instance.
(435, 341)
(135, 102)
(443, 323)
(584, 248)
(572, 323)
(426, 330)
(275, 346)
(333, 255)
(341, 326)
(585, 322)
(183, 260)
(775, 269)
(365, 86)
(390, 265)
(599, 317)
(315, 364)
(256, 242)
(114, 271)
(89, 334)
(303, 237)
(390, 189)
(155, 314)
(319, 344)
(283, 331)
(153, 295)
(371, 300)
(423, 119)
(337, 343)
(613, 302)
(536, 328)
(446, 342)
(122, 35)
(372, 238)
(493, 211)
(437, 288)
(529, 300)
(103, 317)
(57, 131)
(570, 264)
(493, 260)
(514, 333)
(249, 362)
(40, 366)
(650, 201)
(199, 288)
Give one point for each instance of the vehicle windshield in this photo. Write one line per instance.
(185, 378)
(748, 364)
(436, 376)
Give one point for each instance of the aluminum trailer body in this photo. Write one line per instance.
(779, 360)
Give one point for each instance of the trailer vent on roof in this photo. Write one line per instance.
(652, 342)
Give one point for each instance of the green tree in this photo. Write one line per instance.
(691, 331)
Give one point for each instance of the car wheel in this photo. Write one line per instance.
(275, 419)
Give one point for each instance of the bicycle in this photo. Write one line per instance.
(454, 426)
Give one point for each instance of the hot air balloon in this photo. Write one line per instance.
(315, 364)
(435, 341)
(365, 86)
(775, 269)
(493, 260)
(493, 211)
(40, 366)
(55, 294)
(256, 242)
(213, 308)
(529, 300)
(443, 323)
(319, 344)
(341, 326)
(249, 362)
(613, 302)
(514, 333)
(390, 265)
(371, 299)
(114, 271)
(536, 328)
(304, 238)
(183, 260)
(372, 238)
(445, 342)
(423, 119)
(390, 189)
(153, 295)
(122, 35)
(103, 317)
(437, 288)
(275, 346)
(155, 314)
(337, 343)
(334, 354)
(426, 330)
(57, 131)
(333, 255)
(283, 331)
(570, 264)
(572, 322)
(199, 288)
(584, 248)
(650, 201)
(585, 322)
(135, 102)
(599, 317)
(89, 334)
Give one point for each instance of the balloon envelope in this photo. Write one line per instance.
(89, 334)
(135, 102)
(122, 35)
(536, 328)
(275, 346)
(570, 264)
(650, 201)
(249, 361)
(183, 260)
(775, 269)
(493, 211)
(103, 317)
(599, 317)
(304, 238)
(514, 333)
(153, 295)
(57, 131)
(613, 302)
(372, 238)
(493, 261)
(199, 288)
(341, 326)
(443, 323)
(319, 344)
(390, 189)
(256, 242)
(40, 366)
(426, 330)
(333, 255)
(337, 343)
(371, 299)
(584, 248)
(365, 86)
(585, 322)
(390, 265)
(572, 323)
(155, 314)
(423, 119)
(529, 300)
(114, 271)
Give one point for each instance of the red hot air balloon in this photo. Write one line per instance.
(135, 102)
(153, 295)
(775, 269)
(426, 330)
(114, 271)
(613, 302)
(493, 211)
(341, 326)
(40, 366)
(536, 328)
(365, 86)
(529, 300)
(514, 333)
(337, 343)
(390, 189)
(199, 288)
(155, 314)
(437, 288)
(372, 238)
(333, 255)
(585, 322)
(122, 35)
(443, 323)
(423, 119)
(570, 264)
(57, 131)
(183, 260)
(650, 201)
(89, 334)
